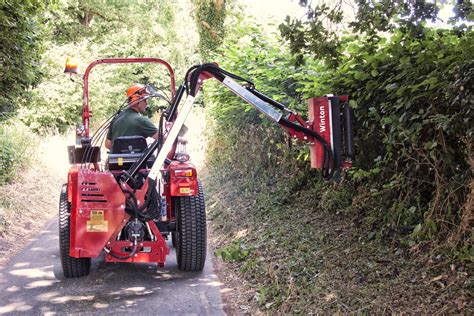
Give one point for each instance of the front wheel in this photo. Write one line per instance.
(72, 267)
(191, 233)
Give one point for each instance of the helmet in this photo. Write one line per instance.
(135, 93)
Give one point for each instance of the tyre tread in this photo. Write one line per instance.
(72, 267)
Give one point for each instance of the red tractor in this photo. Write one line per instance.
(130, 205)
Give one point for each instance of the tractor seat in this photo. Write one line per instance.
(126, 150)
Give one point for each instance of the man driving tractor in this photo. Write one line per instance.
(131, 122)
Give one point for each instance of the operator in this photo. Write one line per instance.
(131, 122)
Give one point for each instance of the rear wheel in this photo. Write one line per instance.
(72, 267)
(191, 234)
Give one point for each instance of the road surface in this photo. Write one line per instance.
(33, 283)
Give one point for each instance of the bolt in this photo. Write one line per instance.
(305, 138)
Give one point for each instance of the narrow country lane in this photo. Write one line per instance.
(33, 283)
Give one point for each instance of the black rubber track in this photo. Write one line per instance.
(191, 243)
(72, 267)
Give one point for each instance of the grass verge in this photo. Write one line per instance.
(307, 252)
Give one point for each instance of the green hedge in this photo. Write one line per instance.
(15, 150)
(414, 107)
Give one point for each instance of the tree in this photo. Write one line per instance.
(320, 33)
(21, 46)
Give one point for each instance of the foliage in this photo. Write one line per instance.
(21, 35)
(210, 16)
(112, 29)
(320, 33)
(235, 251)
(413, 104)
(15, 150)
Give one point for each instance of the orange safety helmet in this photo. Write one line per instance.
(135, 93)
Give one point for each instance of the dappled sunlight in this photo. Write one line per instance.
(226, 290)
(47, 296)
(15, 307)
(37, 249)
(21, 264)
(135, 289)
(73, 298)
(41, 283)
(34, 273)
(214, 283)
(164, 276)
(329, 297)
(13, 289)
(241, 233)
(99, 305)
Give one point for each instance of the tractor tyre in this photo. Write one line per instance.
(191, 233)
(72, 267)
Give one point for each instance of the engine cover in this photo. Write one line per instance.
(97, 211)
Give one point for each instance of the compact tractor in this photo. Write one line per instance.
(131, 203)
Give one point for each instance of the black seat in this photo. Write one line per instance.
(126, 150)
(128, 145)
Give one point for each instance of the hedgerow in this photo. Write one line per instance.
(413, 103)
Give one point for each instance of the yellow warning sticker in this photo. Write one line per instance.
(185, 190)
(97, 223)
(120, 161)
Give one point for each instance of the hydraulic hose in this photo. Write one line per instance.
(191, 82)
(134, 250)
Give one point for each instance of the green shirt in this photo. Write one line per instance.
(131, 123)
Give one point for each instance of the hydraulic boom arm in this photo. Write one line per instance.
(329, 130)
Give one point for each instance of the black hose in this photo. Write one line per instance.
(191, 81)
(152, 203)
(328, 156)
(134, 250)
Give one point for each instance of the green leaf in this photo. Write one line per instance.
(417, 229)
(404, 60)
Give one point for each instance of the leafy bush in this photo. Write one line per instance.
(414, 125)
(15, 150)
(235, 251)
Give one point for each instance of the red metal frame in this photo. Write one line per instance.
(93, 193)
(147, 251)
(182, 185)
(86, 112)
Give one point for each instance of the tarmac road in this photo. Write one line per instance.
(33, 283)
